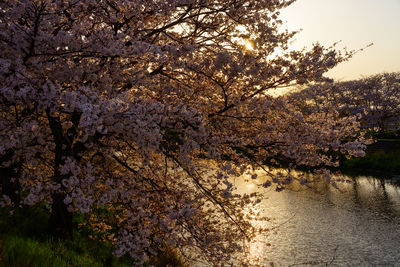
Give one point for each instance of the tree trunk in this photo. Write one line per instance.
(9, 179)
(60, 222)
(10, 184)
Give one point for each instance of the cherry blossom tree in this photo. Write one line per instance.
(148, 109)
(375, 99)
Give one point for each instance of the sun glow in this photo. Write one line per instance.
(248, 45)
(243, 38)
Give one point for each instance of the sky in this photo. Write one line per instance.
(356, 23)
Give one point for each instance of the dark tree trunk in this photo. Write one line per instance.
(9, 179)
(382, 126)
(10, 184)
(60, 222)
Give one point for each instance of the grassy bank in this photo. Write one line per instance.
(24, 241)
(372, 163)
(383, 156)
(18, 250)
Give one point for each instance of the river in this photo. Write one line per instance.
(357, 226)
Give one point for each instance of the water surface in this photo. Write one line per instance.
(357, 226)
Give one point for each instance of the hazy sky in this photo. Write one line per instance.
(355, 23)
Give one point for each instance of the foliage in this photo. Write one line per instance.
(387, 162)
(375, 99)
(386, 135)
(18, 251)
(23, 251)
(125, 105)
(25, 241)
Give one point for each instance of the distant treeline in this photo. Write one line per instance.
(375, 100)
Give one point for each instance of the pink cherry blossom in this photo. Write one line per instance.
(150, 109)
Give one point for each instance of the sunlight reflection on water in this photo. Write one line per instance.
(357, 226)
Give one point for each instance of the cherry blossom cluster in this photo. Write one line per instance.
(374, 99)
(149, 109)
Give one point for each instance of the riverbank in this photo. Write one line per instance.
(382, 158)
(25, 241)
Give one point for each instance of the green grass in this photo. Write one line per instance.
(383, 157)
(23, 251)
(378, 161)
(24, 241)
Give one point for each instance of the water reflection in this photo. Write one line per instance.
(356, 226)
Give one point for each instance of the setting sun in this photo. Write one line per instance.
(249, 45)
